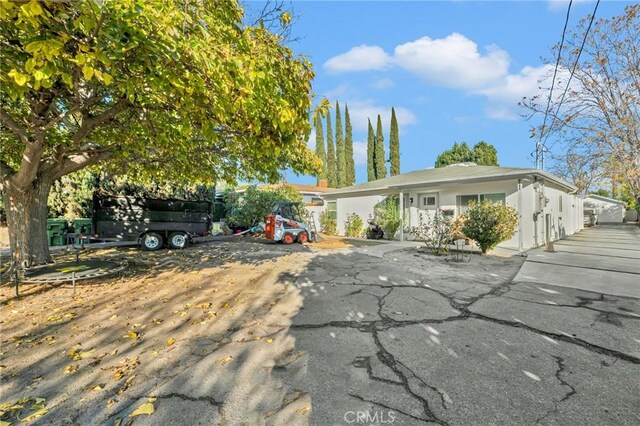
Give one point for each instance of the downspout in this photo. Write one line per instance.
(520, 242)
(401, 206)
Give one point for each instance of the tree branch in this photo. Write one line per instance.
(13, 125)
(76, 162)
(90, 122)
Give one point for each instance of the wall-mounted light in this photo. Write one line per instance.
(410, 200)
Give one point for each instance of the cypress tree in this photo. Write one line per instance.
(320, 152)
(371, 169)
(331, 154)
(348, 150)
(378, 155)
(341, 177)
(394, 145)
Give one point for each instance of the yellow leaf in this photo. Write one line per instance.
(269, 340)
(107, 78)
(132, 335)
(146, 408)
(34, 416)
(3, 423)
(225, 360)
(87, 71)
(19, 78)
(97, 388)
(171, 342)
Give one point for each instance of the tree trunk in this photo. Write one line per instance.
(26, 210)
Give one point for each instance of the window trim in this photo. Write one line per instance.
(428, 195)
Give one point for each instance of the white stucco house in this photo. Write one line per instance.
(608, 209)
(547, 205)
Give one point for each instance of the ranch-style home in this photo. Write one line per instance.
(548, 206)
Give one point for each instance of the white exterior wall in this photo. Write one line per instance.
(607, 211)
(530, 231)
(362, 206)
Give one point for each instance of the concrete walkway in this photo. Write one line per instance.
(603, 259)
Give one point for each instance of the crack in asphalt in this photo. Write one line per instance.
(578, 306)
(561, 366)
(406, 375)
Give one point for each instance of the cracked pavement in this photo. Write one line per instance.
(437, 342)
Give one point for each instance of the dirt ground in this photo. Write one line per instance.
(91, 357)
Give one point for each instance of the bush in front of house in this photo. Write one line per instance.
(328, 223)
(387, 215)
(489, 224)
(353, 227)
(435, 232)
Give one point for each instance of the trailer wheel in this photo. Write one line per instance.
(178, 240)
(151, 241)
(287, 238)
(303, 237)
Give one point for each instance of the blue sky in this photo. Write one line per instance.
(454, 71)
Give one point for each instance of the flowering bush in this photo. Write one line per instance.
(435, 232)
(489, 224)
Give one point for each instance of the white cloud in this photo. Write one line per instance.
(557, 5)
(453, 61)
(503, 98)
(311, 142)
(359, 153)
(359, 58)
(360, 110)
(383, 84)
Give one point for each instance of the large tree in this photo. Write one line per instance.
(394, 145)
(348, 149)
(371, 146)
(378, 153)
(341, 165)
(331, 155)
(482, 153)
(598, 123)
(179, 90)
(320, 151)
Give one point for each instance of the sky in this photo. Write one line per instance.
(453, 70)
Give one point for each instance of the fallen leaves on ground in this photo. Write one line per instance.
(31, 407)
(225, 360)
(146, 408)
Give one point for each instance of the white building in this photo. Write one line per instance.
(607, 209)
(547, 205)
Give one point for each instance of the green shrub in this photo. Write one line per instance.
(250, 208)
(387, 215)
(328, 223)
(435, 232)
(489, 224)
(353, 227)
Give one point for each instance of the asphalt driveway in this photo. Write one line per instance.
(406, 338)
(604, 259)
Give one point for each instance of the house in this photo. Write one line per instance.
(608, 209)
(547, 205)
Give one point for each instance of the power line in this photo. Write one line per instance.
(573, 70)
(539, 145)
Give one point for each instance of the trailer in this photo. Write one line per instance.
(153, 223)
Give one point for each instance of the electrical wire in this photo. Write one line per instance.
(553, 82)
(573, 70)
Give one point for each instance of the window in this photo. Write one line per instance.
(428, 201)
(332, 209)
(495, 198)
(465, 200)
